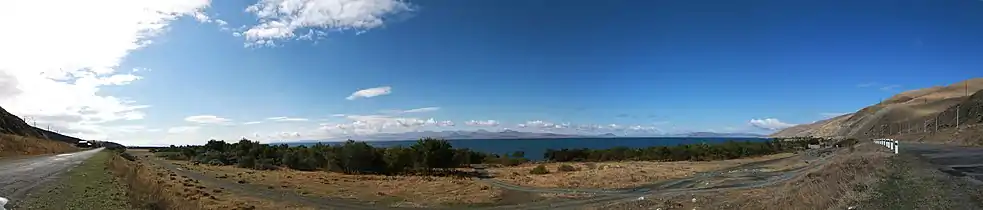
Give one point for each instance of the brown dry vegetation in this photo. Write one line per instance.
(615, 174)
(12, 145)
(150, 187)
(411, 191)
(844, 181)
(848, 178)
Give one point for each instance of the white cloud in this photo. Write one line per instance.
(287, 119)
(338, 115)
(183, 129)
(252, 123)
(869, 84)
(285, 19)
(370, 124)
(56, 71)
(769, 124)
(424, 109)
(890, 87)
(206, 119)
(417, 110)
(371, 92)
(489, 123)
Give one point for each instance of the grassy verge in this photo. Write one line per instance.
(88, 186)
(11, 145)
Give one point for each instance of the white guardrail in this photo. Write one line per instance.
(889, 143)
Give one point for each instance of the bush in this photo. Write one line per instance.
(265, 164)
(246, 162)
(171, 155)
(565, 168)
(540, 169)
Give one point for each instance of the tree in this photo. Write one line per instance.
(433, 153)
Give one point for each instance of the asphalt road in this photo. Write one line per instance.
(959, 161)
(19, 176)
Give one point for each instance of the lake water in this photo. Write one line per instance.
(534, 148)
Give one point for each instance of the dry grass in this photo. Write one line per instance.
(411, 191)
(615, 174)
(156, 188)
(845, 180)
(11, 145)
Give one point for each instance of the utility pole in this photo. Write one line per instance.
(957, 115)
(937, 123)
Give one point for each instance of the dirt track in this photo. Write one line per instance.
(739, 177)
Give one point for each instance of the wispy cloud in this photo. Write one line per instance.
(287, 119)
(206, 119)
(371, 92)
(417, 110)
(252, 123)
(890, 87)
(864, 85)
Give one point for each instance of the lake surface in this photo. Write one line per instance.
(534, 148)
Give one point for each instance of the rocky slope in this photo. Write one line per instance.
(909, 111)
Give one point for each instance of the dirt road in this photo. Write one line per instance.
(739, 177)
(19, 176)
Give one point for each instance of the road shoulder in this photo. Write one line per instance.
(87, 186)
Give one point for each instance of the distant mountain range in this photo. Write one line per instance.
(511, 134)
(712, 134)
(479, 134)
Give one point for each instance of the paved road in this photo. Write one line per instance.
(19, 176)
(965, 162)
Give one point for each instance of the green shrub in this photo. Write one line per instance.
(265, 164)
(540, 169)
(246, 162)
(171, 155)
(565, 168)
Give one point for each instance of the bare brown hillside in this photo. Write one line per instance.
(911, 111)
(19, 138)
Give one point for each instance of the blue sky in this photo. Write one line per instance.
(648, 67)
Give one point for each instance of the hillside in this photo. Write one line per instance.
(19, 138)
(910, 111)
(11, 124)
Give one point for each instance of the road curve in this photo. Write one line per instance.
(959, 161)
(19, 176)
